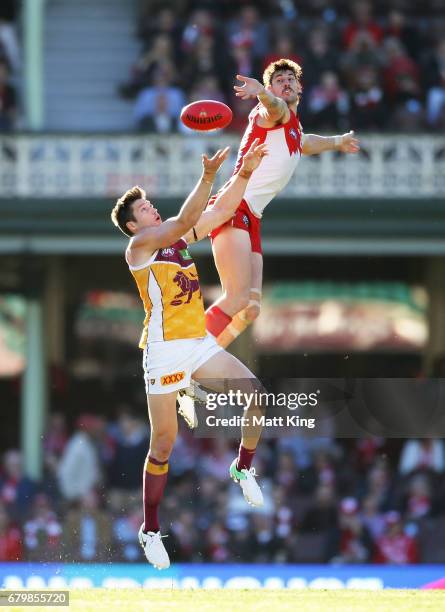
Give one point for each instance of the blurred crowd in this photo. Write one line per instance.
(326, 500)
(10, 62)
(366, 65)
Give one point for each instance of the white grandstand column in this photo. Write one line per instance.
(33, 25)
(34, 384)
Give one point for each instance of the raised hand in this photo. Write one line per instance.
(254, 155)
(250, 89)
(349, 143)
(211, 165)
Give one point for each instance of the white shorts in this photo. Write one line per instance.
(169, 365)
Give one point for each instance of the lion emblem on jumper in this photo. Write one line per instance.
(187, 285)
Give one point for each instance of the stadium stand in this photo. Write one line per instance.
(357, 62)
(333, 505)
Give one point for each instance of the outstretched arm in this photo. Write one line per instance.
(273, 109)
(230, 196)
(171, 230)
(313, 144)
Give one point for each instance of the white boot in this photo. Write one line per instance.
(186, 408)
(154, 548)
(249, 486)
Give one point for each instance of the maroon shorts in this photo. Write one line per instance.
(242, 219)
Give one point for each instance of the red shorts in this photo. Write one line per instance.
(242, 219)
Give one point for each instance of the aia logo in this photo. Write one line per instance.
(246, 220)
(171, 379)
(293, 133)
(168, 252)
(187, 285)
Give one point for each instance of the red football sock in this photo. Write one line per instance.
(155, 477)
(216, 320)
(245, 458)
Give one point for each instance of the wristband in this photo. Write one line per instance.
(246, 174)
(338, 141)
(208, 182)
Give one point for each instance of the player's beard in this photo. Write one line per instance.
(295, 99)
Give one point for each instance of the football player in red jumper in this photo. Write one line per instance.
(237, 244)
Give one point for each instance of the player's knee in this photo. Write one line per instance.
(161, 445)
(252, 312)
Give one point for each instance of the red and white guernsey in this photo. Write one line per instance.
(284, 144)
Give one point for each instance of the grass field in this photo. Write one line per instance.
(257, 600)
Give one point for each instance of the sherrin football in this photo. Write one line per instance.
(206, 115)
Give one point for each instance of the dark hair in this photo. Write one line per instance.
(123, 209)
(278, 66)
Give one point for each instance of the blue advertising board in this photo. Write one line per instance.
(53, 575)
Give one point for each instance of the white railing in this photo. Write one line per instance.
(97, 166)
